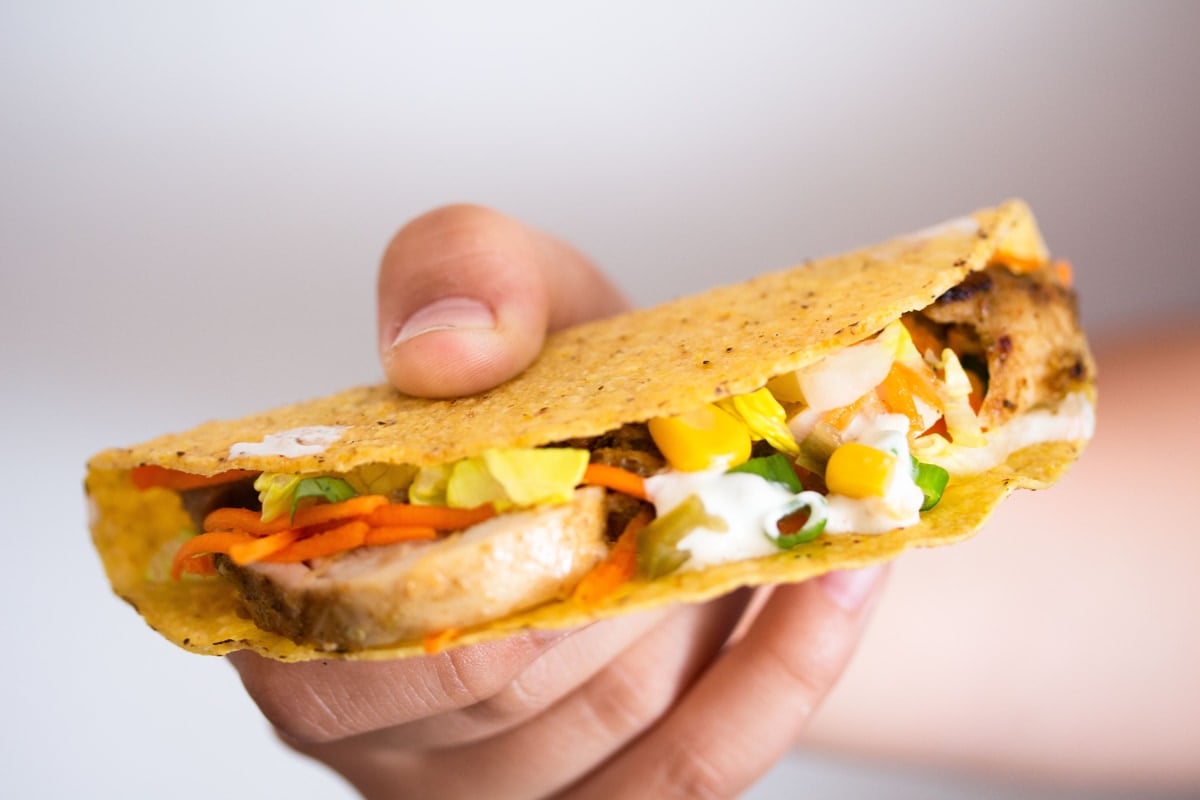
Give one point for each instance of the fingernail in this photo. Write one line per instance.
(851, 588)
(449, 313)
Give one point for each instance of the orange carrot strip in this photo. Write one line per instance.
(617, 568)
(200, 565)
(436, 642)
(151, 476)
(328, 512)
(896, 396)
(1020, 265)
(1064, 272)
(259, 548)
(439, 517)
(390, 534)
(205, 543)
(245, 520)
(337, 540)
(242, 519)
(840, 417)
(921, 383)
(615, 478)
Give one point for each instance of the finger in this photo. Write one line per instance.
(620, 704)
(466, 296)
(556, 673)
(318, 701)
(583, 729)
(746, 711)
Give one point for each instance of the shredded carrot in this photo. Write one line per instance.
(390, 534)
(1019, 264)
(841, 417)
(895, 394)
(617, 568)
(328, 512)
(441, 518)
(436, 642)
(260, 547)
(200, 565)
(1064, 272)
(921, 383)
(245, 520)
(151, 476)
(205, 544)
(242, 519)
(343, 537)
(617, 479)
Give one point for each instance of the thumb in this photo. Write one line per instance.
(466, 296)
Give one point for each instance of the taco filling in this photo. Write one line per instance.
(823, 417)
(862, 441)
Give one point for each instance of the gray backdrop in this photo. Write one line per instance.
(193, 201)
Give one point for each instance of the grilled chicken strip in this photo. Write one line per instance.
(375, 596)
(1025, 326)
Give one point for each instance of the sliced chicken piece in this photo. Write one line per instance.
(1026, 327)
(375, 596)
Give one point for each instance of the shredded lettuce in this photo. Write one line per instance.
(516, 477)
(761, 413)
(429, 486)
(275, 491)
(331, 490)
(389, 480)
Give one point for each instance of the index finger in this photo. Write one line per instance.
(466, 296)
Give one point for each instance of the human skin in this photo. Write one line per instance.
(692, 701)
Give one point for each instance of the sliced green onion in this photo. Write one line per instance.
(776, 467)
(658, 553)
(818, 515)
(333, 490)
(931, 480)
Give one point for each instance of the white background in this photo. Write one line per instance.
(193, 202)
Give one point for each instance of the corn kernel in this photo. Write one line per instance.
(698, 439)
(856, 470)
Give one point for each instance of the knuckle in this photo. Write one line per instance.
(523, 697)
(807, 674)
(621, 702)
(464, 679)
(688, 771)
(452, 227)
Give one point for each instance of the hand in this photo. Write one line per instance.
(686, 701)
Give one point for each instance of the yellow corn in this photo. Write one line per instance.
(698, 439)
(856, 470)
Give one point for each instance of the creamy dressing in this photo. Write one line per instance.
(743, 501)
(1074, 420)
(748, 504)
(306, 441)
(900, 505)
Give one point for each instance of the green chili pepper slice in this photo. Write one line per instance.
(658, 553)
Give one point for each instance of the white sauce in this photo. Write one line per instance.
(742, 500)
(293, 443)
(900, 505)
(1074, 420)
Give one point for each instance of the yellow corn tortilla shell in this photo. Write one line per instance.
(588, 380)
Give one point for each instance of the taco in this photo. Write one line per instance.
(824, 417)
